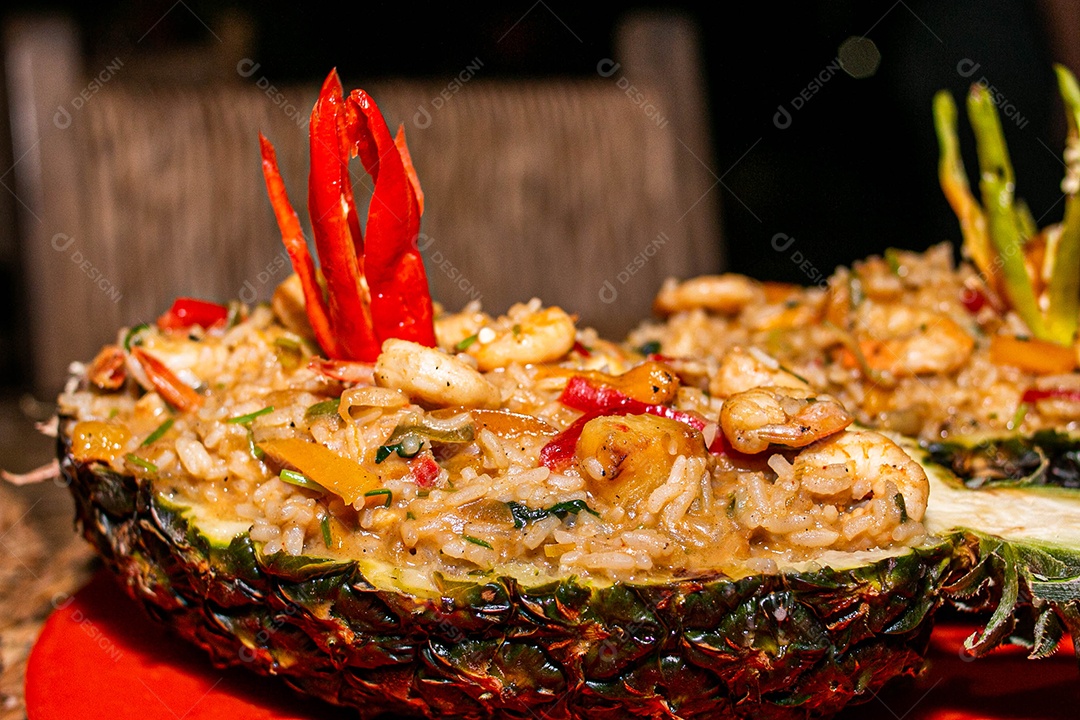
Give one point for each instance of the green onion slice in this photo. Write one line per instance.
(158, 433)
(245, 419)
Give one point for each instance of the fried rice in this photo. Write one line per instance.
(464, 482)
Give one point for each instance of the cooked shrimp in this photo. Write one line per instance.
(793, 417)
(743, 369)
(431, 377)
(880, 480)
(451, 329)
(725, 294)
(108, 370)
(525, 336)
(906, 341)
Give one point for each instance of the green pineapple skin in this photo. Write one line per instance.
(769, 646)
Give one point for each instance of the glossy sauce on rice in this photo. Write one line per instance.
(463, 482)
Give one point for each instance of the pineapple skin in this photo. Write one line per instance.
(792, 645)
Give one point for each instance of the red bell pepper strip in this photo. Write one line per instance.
(187, 312)
(329, 202)
(393, 267)
(1033, 395)
(296, 245)
(597, 400)
(171, 388)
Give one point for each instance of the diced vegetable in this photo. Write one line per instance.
(323, 408)
(95, 440)
(187, 312)
(476, 541)
(1036, 356)
(339, 475)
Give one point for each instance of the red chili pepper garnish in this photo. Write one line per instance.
(1033, 395)
(296, 245)
(597, 400)
(332, 211)
(376, 287)
(424, 470)
(581, 349)
(660, 358)
(171, 388)
(400, 301)
(187, 312)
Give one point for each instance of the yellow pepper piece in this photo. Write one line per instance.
(339, 475)
(1036, 356)
(95, 440)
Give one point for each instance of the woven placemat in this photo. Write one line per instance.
(42, 561)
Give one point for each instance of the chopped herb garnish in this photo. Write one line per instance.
(899, 499)
(255, 450)
(409, 515)
(892, 258)
(516, 329)
(1018, 417)
(422, 493)
(381, 491)
(326, 407)
(245, 419)
(464, 344)
(139, 462)
(135, 336)
(158, 433)
(409, 446)
(235, 315)
(288, 351)
(300, 480)
(650, 348)
(325, 525)
(476, 541)
(523, 514)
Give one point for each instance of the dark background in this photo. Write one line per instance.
(853, 173)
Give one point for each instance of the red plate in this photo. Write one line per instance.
(100, 658)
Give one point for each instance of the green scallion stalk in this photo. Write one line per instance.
(381, 491)
(476, 541)
(139, 462)
(158, 433)
(1063, 290)
(300, 480)
(464, 344)
(324, 524)
(997, 185)
(245, 419)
